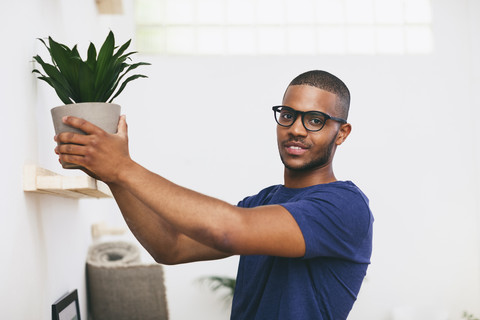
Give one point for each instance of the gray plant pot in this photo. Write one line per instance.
(103, 115)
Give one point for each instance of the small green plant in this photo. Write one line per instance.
(96, 79)
(469, 316)
(225, 284)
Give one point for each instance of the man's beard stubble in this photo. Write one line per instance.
(319, 162)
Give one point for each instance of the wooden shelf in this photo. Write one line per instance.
(39, 180)
(109, 6)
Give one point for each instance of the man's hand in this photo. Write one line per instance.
(103, 155)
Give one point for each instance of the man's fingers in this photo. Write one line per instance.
(71, 149)
(72, 159)
(81, 124)
(71, 137)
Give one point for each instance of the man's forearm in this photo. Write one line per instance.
(205, 219)
(159, 238)
(147, 227)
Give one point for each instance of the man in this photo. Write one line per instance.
(305, 245)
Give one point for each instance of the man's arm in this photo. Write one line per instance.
(160, 239)
(269, 230)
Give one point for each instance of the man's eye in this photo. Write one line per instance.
(287, 115)
(316, 121)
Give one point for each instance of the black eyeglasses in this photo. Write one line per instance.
(312, 120)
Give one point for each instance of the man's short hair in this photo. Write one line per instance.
(328, 82)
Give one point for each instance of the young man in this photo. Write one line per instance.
(305, 245)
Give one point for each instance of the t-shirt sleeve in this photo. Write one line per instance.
(334, 225)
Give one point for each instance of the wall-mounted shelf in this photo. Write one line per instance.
(39, 180)
(109, 6)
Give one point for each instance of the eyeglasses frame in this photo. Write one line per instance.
(302, 113)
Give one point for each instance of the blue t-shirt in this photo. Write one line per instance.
(336, 223)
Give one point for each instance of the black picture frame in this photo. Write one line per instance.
(67, 307)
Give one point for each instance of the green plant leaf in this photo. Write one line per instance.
(61, 56)
(109, 87)
(73, 53)
(131, 67)
(122, 49)
(104, 60)
(58, 81)
(92, 57)
(86, 80)
(217, 283)
(124, 84)
(44, 43)
(61, 94)
(67, 62)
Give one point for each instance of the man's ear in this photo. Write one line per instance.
(343, 133)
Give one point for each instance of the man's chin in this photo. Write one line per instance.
(300, 167)
(296, 167)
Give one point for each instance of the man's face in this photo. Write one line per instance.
(302, 150)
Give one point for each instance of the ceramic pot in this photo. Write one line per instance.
(103, 115)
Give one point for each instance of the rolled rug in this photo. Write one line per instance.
(120, 287)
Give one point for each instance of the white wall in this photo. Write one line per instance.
(43, 239)
(414, 150)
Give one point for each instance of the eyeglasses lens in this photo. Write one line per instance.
(312, 120)
(285, 117)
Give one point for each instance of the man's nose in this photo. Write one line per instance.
(297, 127)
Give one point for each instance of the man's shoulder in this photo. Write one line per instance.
(341, 197)
(342, 189)
(260, 198)
(338, 191)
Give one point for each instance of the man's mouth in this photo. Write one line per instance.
(295, 148)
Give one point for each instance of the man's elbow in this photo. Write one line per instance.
(166, 258)
(229, 241)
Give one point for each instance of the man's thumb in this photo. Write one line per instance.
(122, 125)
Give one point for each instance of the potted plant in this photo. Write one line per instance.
(224, 285)
(87, 87)
(469, 316)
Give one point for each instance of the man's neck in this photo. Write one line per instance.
(303, 179)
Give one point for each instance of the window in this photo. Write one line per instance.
(283, 27)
